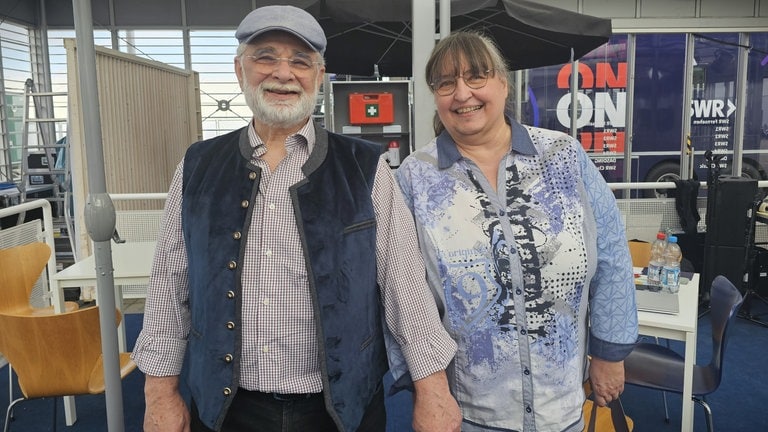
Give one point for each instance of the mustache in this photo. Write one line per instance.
(271, 86)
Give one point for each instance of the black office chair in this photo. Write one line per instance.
(658, 367)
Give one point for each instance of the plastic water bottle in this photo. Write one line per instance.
(657, 260)
(670, 278)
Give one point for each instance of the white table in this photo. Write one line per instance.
(131, 263)
(681, 326)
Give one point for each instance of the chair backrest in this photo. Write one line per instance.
(54, 355)
(725, 301)
(20, 268)
(640, 252)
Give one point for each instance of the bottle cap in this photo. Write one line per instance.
(394, 144)
(661, 235)
(672, 239)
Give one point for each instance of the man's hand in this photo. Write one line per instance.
(607, 380)
(166, 410)
(434, 409)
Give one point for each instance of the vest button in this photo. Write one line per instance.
(237, 235)
(230, 294)
(227, 391)
(232, 265)
(230, 325)
(244, 203)
(228, 358)
(252, 175)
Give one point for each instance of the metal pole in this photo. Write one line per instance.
(423, 13)
(629, 113)
(99, 213)
(685, 160)
(574, 96)
(741, 105)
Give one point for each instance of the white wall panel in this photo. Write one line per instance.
(667, 9)
(730, 8)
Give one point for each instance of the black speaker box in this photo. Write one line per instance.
(728, 261)
(759, 277)
(729, 201)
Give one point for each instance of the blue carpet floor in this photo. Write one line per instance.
(738, 405)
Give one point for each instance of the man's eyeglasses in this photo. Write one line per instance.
(268, 61)
(445, 86)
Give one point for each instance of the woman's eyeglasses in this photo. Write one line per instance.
(445, 86)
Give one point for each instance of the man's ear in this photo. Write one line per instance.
(239, 70)
(320, 77)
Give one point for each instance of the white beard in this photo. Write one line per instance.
(282, 114)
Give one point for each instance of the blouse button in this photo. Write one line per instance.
(227, 391)
(252, 175)
(237, 235)
(230, 325)
(228, 358)
(244, 203)
(232, 265)
(230, 294)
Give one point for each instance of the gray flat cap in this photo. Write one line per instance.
(284, 18)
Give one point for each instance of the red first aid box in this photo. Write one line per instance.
(370, 108)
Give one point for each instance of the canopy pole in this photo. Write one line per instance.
(99, 213)
(574, 95)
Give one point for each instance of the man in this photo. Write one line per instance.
(286, 254)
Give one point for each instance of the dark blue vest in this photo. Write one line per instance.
(336, 222)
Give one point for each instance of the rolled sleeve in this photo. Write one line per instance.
(417, 337)
(161, 345)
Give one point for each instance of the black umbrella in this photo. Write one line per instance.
(529, 35)
(532, 35)
(368, 49)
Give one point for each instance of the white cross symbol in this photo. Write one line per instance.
(372, 110)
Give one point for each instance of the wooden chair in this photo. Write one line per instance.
(20, 268)
(56, 355)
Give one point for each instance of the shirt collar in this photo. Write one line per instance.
(448, 153)
(307, 132)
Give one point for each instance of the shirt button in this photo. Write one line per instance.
(230, 325)
(266, 301)
(522, 331)
(528, 409)
(271, 206)
(526, 371)
(518, 291)
(501, 212)
(244, 203)
(252, 175)
(237, 235)
(230, 294)
(227, 391)
(268, 253)
(265, 348)
(228, 358)
(232, 265)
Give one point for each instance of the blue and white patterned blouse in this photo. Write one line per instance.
(525, 276)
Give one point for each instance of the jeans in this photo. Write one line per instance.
(266, 412)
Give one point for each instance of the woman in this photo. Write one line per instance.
(524, 247)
